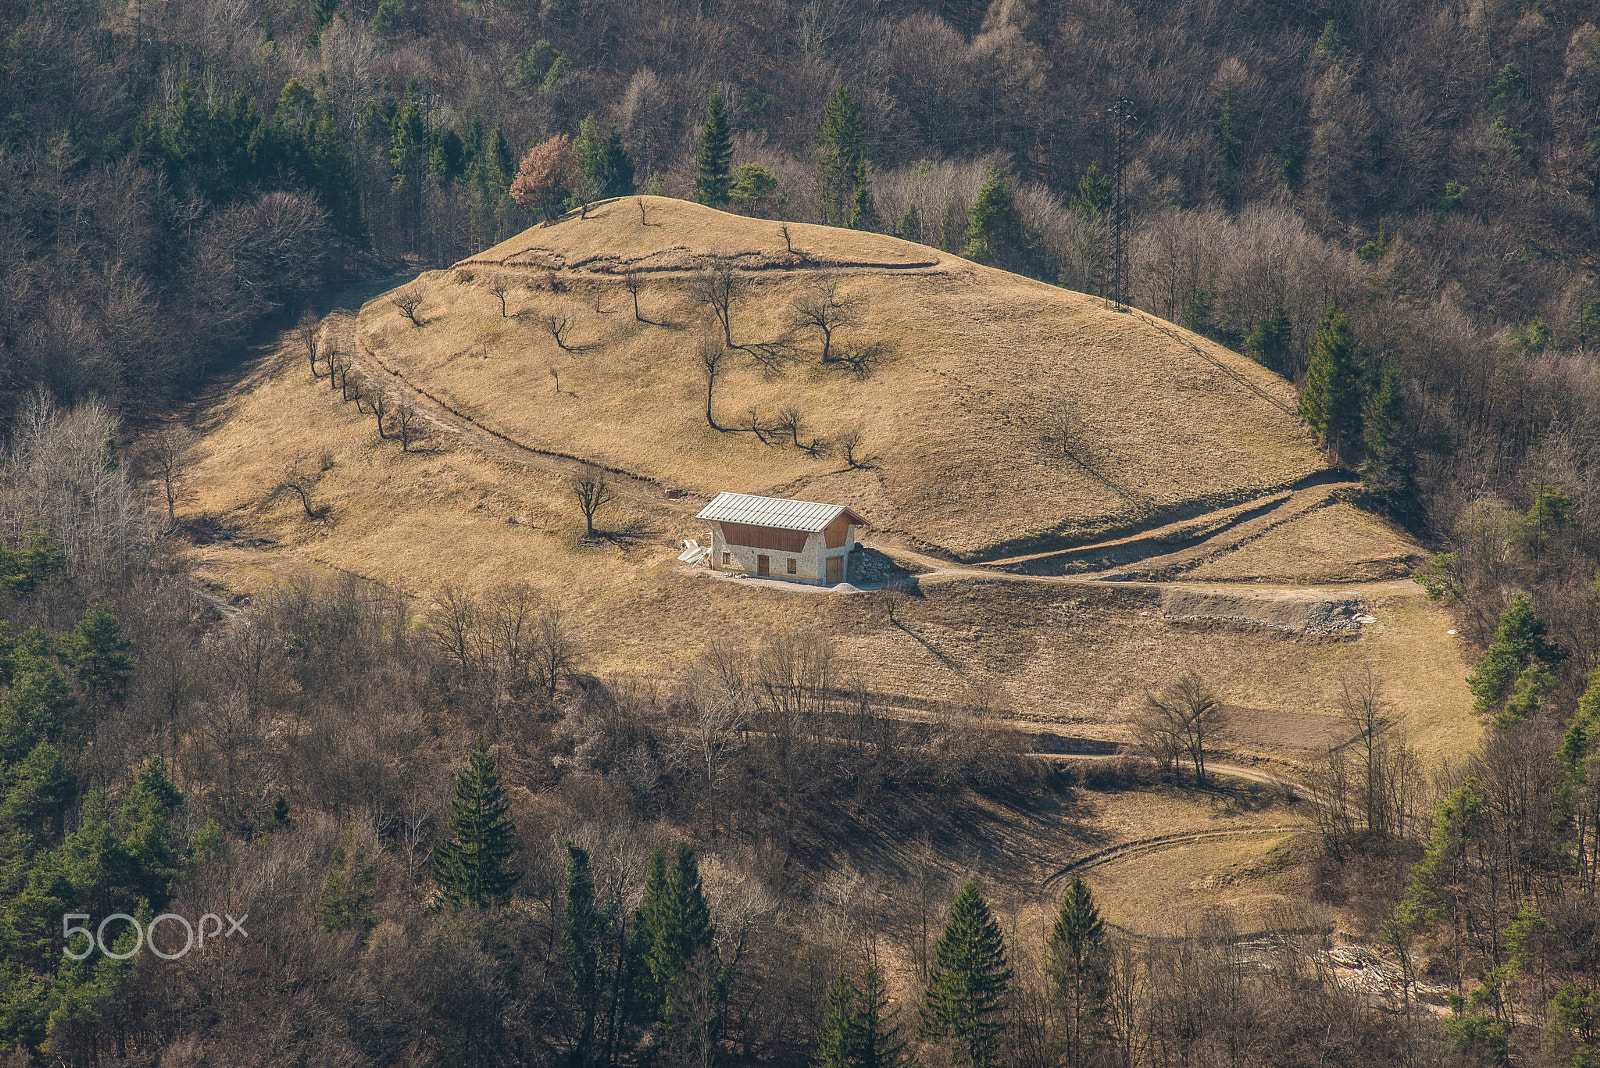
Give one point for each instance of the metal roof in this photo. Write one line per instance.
(808, 516)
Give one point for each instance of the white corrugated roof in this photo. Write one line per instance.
(776, 512)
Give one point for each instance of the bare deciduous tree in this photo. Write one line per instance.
(556, 324)
(557, 650)
(1062, 420)
(308, 331)
(380, 407)
(499, 288)
(555, 374)
(407, 301)
(719, 286)
(411, 425)
(167, 454)
(790, 419)
(1177, 720)
(592, 492)
(633, 281)
(823, 307)
(712, 355)
(453, 626)
(298, 481)
(850, 441)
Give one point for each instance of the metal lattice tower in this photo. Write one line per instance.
(1121, 115)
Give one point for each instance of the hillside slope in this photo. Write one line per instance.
(1203, 532)
(1005, 414)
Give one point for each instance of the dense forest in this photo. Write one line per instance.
(457, 846)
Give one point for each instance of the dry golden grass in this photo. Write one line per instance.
(1074, 655)
(1333, 544)
(958, 424)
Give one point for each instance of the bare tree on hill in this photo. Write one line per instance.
(309, 333)
(822, 307)
(1176, 721)
(407, 301)
(299, 482)
(718, 286)
(850, 441)
(410, 424)
(712, 354)
(500, 288)
(556, 324)
(380, 408)
(592, 492)
(633, 281)
(168, 454)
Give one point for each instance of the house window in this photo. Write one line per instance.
(727, 558)
(793, 565)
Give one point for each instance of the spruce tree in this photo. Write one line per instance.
(351, 888)
(716, 154)
(584, 929)
(836, 1043)
(878, 1040)
(965, 999)
(1330, 403)
(97, 652)
(992, 221)
(1078, 969)
(1519, 647)
(1388, 467)
(842, 156)
(863, 212)
(605, 162)
(673, 928)
(470, 864)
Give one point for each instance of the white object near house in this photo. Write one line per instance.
(798, 541)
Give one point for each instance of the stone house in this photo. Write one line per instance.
(797, 541)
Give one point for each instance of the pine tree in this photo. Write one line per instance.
(842, 157)
(1388, 467)
(1330, 403)
(967, 985)
(149, 838)
(584, 930)
(1078, 969)
(350, 890)
(1519, 645)
(878, 1040)
(836, 1042)
(605, 162)
(97, 652)
(863, 212)
(992, 221)
(673, 929)
(712, 176)
(470, 865)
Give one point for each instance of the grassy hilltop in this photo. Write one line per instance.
(1020, 443)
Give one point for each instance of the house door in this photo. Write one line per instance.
(763, 565)
(835, 569)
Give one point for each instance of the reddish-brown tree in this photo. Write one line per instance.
(546, 173)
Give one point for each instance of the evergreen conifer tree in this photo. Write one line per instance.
(1388, 467)
(863, 212)
(878, 1040)
(97, 652)
(470, 865)
(673, 929)
(605, 162)
(842, 158)
(149, 838)
(351, 888)
(584, 929)
(712, 176)
(1268, 344)
(1079, 971)
(965, 1000)
(992, 221)
(1330, 403)
(1519, 647)
(837, 1041)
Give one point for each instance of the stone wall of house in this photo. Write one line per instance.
(810, 563)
